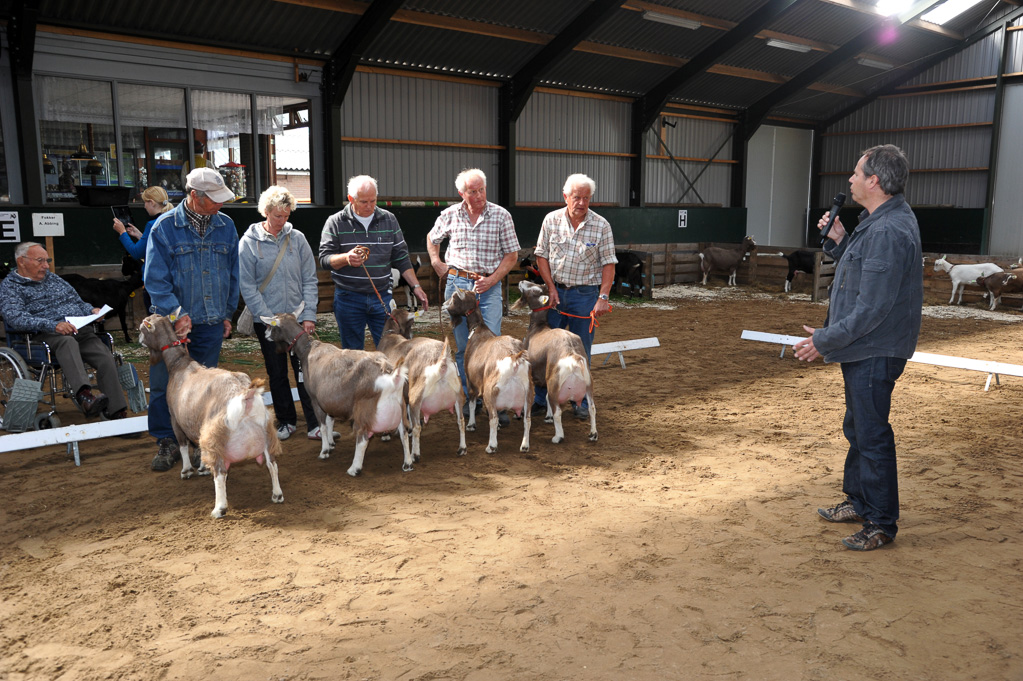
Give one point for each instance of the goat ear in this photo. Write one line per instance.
(298, 310)
(394, 305)
(417, 314)
(269, 321)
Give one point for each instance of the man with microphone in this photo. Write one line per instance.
(872, 328)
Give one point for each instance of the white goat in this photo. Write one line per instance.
(363, 387)
(558, 361)
(964, 274)
(434, 384)
(220, 411)
(496, 368)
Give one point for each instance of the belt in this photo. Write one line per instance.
(466, 274)
(558, 284)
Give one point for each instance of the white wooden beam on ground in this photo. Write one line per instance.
(992, 369)
(622, 346)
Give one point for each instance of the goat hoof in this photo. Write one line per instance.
(557, 440)
(407, 467)
(185, 475)
(548, 419)
(460, 452)
(524, 448)
(218, 513)
(203, 471)
(385, 437)
(416, 458)
(471, 427)
(277, 498)
(593, 437)
(324, 455)
(354, 472)
(491, 450)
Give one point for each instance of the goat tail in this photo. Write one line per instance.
(247, 404)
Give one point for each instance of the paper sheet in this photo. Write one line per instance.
(80, 322)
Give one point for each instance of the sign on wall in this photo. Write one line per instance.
(10, 229)
(48, 224)
(683, 218)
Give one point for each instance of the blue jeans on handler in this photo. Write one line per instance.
(354, 311)
(204, 343)
(492, 309)
(871, 478)
(579, 301)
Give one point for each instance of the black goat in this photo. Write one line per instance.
(799, 261)
(116, 294)
(629, 271)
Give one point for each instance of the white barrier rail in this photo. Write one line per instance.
(992, 369)
(621, 346)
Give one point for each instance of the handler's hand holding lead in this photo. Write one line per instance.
(804, 349)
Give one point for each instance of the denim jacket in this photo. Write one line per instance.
(877, 295)
(198, 273)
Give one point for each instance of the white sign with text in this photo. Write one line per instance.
(683, 218)
(10, 228)
(48, 224)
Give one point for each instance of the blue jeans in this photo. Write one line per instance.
(579, 301)
(280, 386)
(354, 311)
(204, 345)
(871, 478)
(492, 309)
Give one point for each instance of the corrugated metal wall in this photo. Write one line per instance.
(580, 124)
(690, 138)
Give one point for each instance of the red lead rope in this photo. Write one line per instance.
(181, 341)
(593, 320)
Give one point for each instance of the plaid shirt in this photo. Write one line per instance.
(475, 248)
(576, 256)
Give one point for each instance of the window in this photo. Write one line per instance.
(154, 137)
(290, 150)
(76, 129)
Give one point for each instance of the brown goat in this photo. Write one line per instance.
(496, 368)
(433, 382)
(557, 359)
(347, 385)
(725, 259)
(220, 411)
(999, 283)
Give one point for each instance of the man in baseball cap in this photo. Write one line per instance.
(191, 272)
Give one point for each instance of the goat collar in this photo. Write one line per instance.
(180, 341)
(294, 340)
(548, 306)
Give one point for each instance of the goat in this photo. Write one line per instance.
(496, 368)
(116, 294)
(799, 261)
(999, 283)
(629, 271)
(348, 385)
(433, 382)
(725, 259)
(411, 302)
(962, 275)
(557, 359)
(219, 411)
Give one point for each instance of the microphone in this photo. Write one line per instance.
(836, 205)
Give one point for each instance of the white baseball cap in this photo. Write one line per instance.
(209, 181)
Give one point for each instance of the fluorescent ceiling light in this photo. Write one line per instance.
(786, 45)
(890, 7)
(672, 20)
(875, 64)
(947, 11)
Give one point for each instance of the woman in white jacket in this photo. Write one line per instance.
(267, 291)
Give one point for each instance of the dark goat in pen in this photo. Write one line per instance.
(116, 294)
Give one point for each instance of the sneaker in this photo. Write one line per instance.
(869, 538)
(168, 454)
(538, 410)
(580, 412)
(843, 513)
(314, 434)
(284, 431)
(91, 403)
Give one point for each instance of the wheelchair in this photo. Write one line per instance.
(27, 359)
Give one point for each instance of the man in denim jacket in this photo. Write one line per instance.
(191, 263)
(872, 328)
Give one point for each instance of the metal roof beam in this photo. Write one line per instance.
(526, 79)
(649, 106)
(340, 68)
(924, 65)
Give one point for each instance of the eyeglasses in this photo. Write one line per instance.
(38, 260)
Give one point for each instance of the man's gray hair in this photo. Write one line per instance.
(890, 165)
(23, 247)
(465, 175)
(360, 182)
(578, 180)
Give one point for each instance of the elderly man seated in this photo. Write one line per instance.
(35, 301)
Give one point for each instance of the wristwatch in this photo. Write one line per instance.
(603, 296)
(417, 286)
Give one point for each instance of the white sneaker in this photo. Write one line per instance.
(314, 434)
(284, 431)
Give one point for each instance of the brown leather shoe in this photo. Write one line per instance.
(91, 403)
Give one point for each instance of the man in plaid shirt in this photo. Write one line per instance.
(481, 242)
(575, 255)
